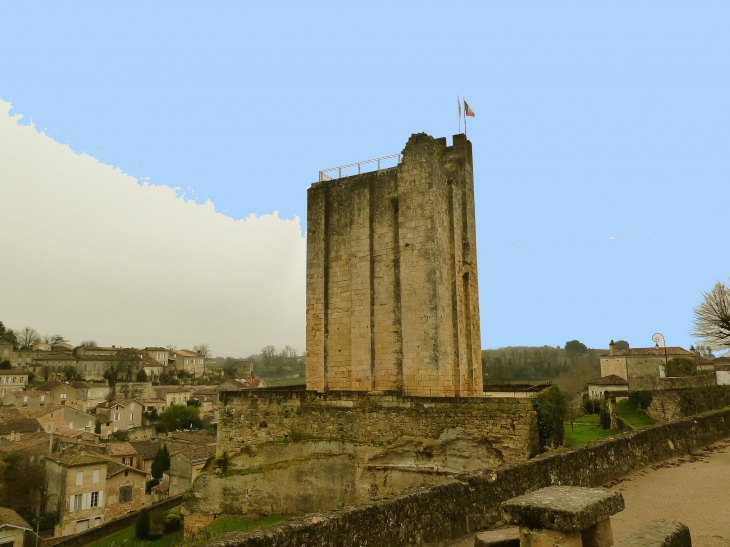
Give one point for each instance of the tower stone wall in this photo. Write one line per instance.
(392, 295)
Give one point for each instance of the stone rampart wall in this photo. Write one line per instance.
(251, 418)
(453, 507)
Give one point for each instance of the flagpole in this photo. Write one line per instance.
(458, 107)
(465, 118)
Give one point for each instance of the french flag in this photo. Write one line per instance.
(468, 111)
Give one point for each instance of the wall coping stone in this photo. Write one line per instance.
(564, 508)
(504, 537)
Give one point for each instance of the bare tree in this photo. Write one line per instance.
(203, 349)
(712, 318)
(267, 354)
(88, 344)
(27, 337)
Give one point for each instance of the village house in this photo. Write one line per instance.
(597, 387)
(121, 415)
(96, 350)
(123, 453)
(152, 369)
(12, 380)
(151, 404)
(65, 438)
(186, 465)
(146, 452)
(6, 350)
(57, 417)
(189, 361)
(13, 528)
(51, 366)
(58, 393)
(640, 367)
(125, 487)
(75, 485)
(17, 429)
(90, 395)
(27, 401)
(174, 395)
(242, 369)
(161, 355)
(33, 445)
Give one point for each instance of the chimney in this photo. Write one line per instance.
(612, 348)
(50, 444)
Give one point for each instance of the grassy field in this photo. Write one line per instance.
(222, 525)
(586, 428)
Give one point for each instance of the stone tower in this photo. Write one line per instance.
(392, 298)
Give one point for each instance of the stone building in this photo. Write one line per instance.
(642, 368)
(125, 487)
(186, 465)
(13, 528)
(12, 380)
(75, 485)
(392, 297)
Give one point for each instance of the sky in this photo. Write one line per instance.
(600, 156)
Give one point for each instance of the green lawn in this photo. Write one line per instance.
(126, 538)
(635, 418)
(222, 525)
(586, 428)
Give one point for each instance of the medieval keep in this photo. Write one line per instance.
(392, 296)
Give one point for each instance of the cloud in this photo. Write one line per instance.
(88, 252)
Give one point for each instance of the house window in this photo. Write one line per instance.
(116, 416)
(43, 398)
(79, 477)
(71, 425)
(96, 476)
(48, 428)
(25, 398)
(125, 494)
(101, 393)
(14, 379)
(76, 502)
(63, 395)
(131, 417)
(127, 460)
(94, 499)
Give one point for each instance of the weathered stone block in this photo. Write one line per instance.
(659, 533)
(549, 538)
(506, 537)
(564, 508)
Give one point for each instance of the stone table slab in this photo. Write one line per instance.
(563, 508)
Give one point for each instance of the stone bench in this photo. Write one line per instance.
(564, 516)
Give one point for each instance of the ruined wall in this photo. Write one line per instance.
(453, 507)
(293, 452)
(392, 295)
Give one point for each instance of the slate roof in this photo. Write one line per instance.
(674, 350)
(242, 383)
(13, 372)
(122, 449)
(146, 450)
(21, 425)
(11, 518)
(610, 380)
(49, 386)
(162, 488)
(80, 385)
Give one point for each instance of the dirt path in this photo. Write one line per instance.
(693, 489)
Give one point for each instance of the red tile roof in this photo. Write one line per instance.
(610, 380)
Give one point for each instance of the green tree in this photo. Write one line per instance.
(70, 372)
(621, 344)
(551, 408)
(179, 417)
(142, 527)
(575, 348)
(141, 375)
(5, 365)
(160, 463)
(681, 366)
